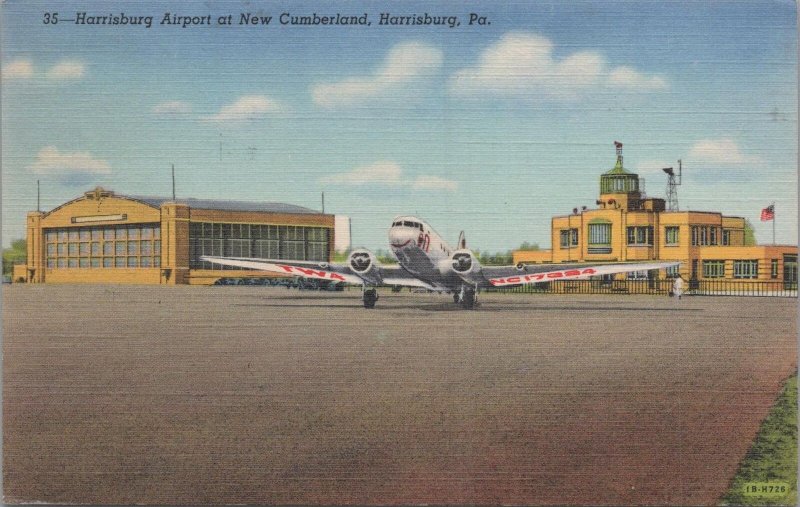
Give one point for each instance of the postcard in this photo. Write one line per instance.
(399, 253)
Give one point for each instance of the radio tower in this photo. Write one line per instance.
(672, 186)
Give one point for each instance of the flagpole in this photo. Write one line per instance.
(773, 224)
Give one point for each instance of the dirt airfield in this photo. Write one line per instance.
(254, 395)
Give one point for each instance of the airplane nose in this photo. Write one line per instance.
(401, 236)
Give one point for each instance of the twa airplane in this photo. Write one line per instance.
(428, 262)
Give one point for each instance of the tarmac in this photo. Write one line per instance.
(256, 395)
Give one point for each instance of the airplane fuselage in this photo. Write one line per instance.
(421, 251)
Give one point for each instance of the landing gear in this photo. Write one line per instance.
(370, 297)
(467, 297)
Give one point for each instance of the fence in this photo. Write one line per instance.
(658, 287)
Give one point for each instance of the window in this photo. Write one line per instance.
(726, 237)
(599, 238)
(569, 238)
(96, 247)
(637, 275)
(774, 269)
(713, 269)
(671, 235)
(640, 235)
(673, 271)
(238, 248)
(703, 235)
(261, 241)
(745, 269)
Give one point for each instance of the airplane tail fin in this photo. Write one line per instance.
(462, 241)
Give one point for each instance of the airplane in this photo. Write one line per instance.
(427, 261)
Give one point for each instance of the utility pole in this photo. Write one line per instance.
(173, 182)
(323, 203)
(38, 195)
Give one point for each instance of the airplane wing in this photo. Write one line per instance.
(383, 275)
(307, 269)
(509, 276)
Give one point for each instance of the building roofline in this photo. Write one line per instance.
(156, 202)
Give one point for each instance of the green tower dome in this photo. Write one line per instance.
(618, 180)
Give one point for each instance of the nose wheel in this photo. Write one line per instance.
(370, 297)
(467, 297)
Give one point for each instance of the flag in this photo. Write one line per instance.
(768, 213)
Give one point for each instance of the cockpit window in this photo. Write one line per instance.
(415, 225)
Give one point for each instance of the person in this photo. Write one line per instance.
(677, 287)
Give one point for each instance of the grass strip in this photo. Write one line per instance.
(770, 465)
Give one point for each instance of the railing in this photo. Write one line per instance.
(658, 287)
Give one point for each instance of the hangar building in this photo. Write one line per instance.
(103, 237)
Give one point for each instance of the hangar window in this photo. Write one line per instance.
(262, 241)
(96, 247)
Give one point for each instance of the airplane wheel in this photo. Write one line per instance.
(469, 299)
(456, 298)
(370, 297)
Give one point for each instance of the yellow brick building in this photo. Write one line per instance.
(101, 237)
(626, 226)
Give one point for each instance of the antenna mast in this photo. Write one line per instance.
(672, 186)
(173, 182)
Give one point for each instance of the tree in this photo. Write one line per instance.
(749, 233)
(529, 247)
(17, 254)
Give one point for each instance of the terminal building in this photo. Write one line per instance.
(103, 237)
(627, 226)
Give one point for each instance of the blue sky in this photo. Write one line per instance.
(492, 128)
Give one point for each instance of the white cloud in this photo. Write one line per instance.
(249, 107)
(405, 64)
(522, 64)
(67, 69)
(388, 173)
(434, 183)
(18, 69)
(382, 172)
(721, 152)
(51, 161)
(626, 77)
(172, 107)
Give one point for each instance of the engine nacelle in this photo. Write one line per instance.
(363, 263)
(466, 265)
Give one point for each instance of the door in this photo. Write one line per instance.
(789, 271)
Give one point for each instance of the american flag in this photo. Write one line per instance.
(768, 213)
